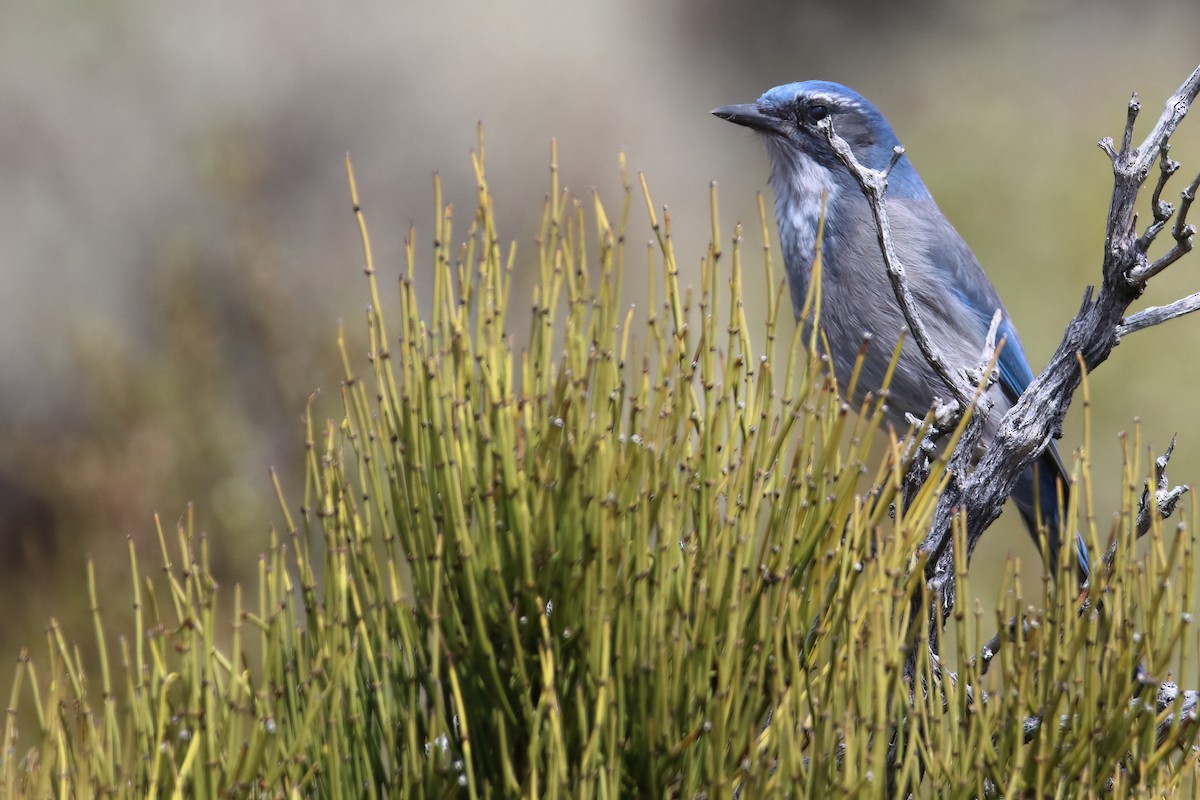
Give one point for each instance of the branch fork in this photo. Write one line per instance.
(979, 489)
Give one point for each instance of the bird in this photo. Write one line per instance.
(954, 298)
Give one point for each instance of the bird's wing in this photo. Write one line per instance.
(959, 271)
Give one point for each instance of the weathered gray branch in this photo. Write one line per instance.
(1156, 315)
(979, 490)
(874, 184)
(1160, 503)
(1036, 418)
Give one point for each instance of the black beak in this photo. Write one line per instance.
(749, 115)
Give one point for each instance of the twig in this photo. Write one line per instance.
(1156, 315)
(1166, 498)
(1183, 232)
(874, 184)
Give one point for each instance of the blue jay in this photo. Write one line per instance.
(955, 299)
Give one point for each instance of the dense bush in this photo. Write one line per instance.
(623, 552)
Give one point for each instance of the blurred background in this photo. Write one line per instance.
(177, 248)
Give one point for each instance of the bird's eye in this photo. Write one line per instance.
(816, 113)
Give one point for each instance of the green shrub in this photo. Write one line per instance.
(629, 556)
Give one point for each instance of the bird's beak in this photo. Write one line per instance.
(749, 115)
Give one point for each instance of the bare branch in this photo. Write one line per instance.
(1178, 251)
(1027, 428)
(978, 488)
(1162, 210)
(1188, 195)
(1125, 260)
(1174, 110)
(1182, 232)
(1135, 106)
(1156, 315)
(874, 184)
(1166, 498)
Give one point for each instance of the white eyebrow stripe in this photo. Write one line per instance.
(840, 101)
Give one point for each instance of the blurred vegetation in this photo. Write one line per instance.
(196, 414)
(621, 555)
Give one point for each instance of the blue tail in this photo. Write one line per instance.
(1036, 494)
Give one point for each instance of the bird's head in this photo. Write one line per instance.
(787, 118)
